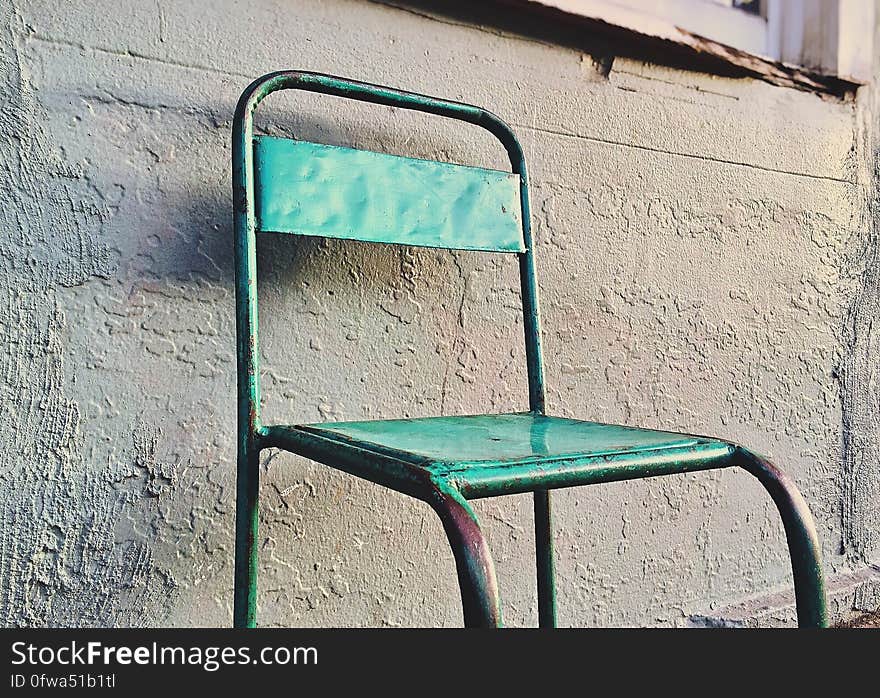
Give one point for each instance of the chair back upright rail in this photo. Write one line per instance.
(289, 186)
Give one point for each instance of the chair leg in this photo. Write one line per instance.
(473, 561)
(800, 531)
(544, 560)
(246, 523)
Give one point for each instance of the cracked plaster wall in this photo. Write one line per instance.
(707, 257)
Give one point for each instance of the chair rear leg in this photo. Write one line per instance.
(544, 560)
(246, 525)
(800, 531)
(473, 561)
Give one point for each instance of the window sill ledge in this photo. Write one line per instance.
(666, 44)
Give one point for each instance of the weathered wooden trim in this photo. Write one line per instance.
(832, 37)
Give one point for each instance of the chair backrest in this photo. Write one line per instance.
(311, 189)
(287, 186)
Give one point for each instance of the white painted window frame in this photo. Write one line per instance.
(828, 37)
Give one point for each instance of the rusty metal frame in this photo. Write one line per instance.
(448, 497)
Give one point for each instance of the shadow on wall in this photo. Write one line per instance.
(193, 235)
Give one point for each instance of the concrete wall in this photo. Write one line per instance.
(708, 262)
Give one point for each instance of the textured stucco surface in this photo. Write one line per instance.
(708, 262)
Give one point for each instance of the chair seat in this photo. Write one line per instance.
(487, 455)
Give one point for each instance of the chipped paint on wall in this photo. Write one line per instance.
(706, 256)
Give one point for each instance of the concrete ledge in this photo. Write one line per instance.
(850, 593)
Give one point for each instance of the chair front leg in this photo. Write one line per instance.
(800, 531)
(244, 613)
(473, 561)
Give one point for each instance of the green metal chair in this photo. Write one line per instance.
(289, 186)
